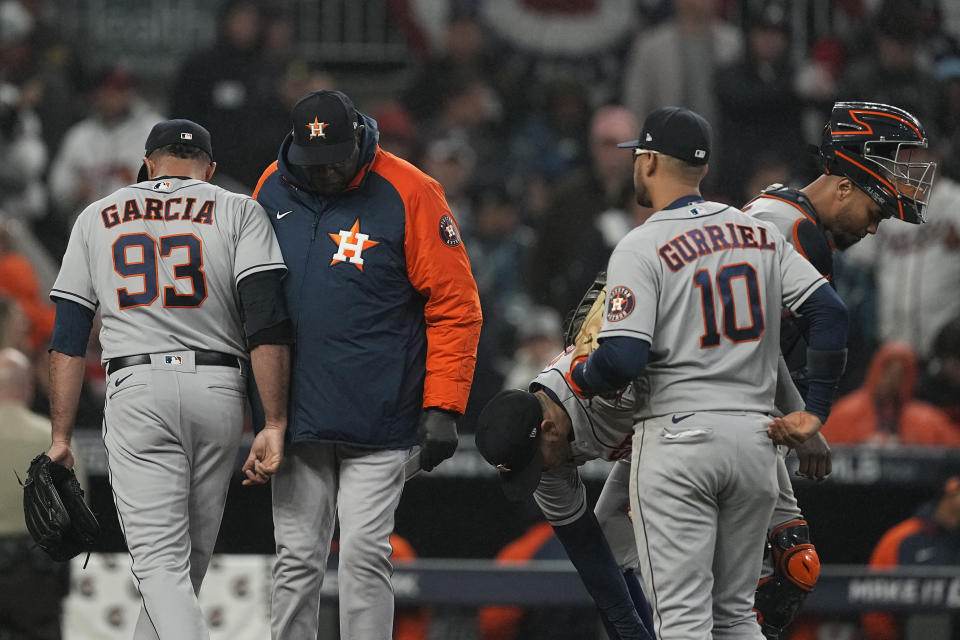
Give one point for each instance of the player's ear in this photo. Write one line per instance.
(149, 165)
(651, 165)
(549, 430)
(844, 188)
(208, 173)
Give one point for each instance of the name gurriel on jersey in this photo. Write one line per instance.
(156, 209)
(688, 246)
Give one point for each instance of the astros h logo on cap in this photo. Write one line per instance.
(324, 125)
(316, 129)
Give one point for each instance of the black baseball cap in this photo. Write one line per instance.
(508, 437)
(677, 132)
(185, 132)
(323, 129)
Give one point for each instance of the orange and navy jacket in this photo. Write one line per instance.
(917, 541)
(379, 289)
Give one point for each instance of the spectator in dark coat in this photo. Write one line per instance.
(760, 111)
(589, 212)
(223, 87)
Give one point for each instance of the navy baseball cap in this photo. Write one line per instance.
(677, 132)
(508, 437)
(185, 132)
(323, 129)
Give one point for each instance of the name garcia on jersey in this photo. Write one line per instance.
(156, 209)
(688, 246)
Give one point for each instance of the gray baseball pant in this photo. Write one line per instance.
(702, 492)
(611, 512)
(171, 434)
(316, 483)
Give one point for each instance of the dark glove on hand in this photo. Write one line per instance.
(438, 436)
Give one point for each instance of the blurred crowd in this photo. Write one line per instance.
(516, 108)
(517, 116)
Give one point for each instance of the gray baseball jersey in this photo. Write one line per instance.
(703, 283)
(602, 429)
(782, 213)
(161, 261)
(695, 281)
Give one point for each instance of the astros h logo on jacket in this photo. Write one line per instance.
(350, 245)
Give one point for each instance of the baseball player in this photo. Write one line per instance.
(537, 439)
(571, 431)
(868, 176)
(693, 299)
(186, 277)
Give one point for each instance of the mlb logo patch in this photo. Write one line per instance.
(173, 360)
(162, 185)
(186, 136)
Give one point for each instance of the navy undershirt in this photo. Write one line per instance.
(71, 328)
(620, 359)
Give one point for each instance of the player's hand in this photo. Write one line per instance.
(814, 456)
(61, 453)
(794, 428)
(438, 437)
(266, 453)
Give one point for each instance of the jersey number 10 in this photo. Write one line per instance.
(725, 277)
(147, 269)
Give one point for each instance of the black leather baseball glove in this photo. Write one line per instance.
(57, 517)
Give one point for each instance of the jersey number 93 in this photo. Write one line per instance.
(135, 256)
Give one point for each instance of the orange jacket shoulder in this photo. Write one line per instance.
(266, 174)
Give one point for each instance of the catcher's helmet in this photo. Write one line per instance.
(871, 144)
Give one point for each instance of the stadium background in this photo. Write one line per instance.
(467, 90)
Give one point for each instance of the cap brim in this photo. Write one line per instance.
(630, 144)
(316, 155)
(521, 483)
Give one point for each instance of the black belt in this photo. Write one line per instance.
(210, 358)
